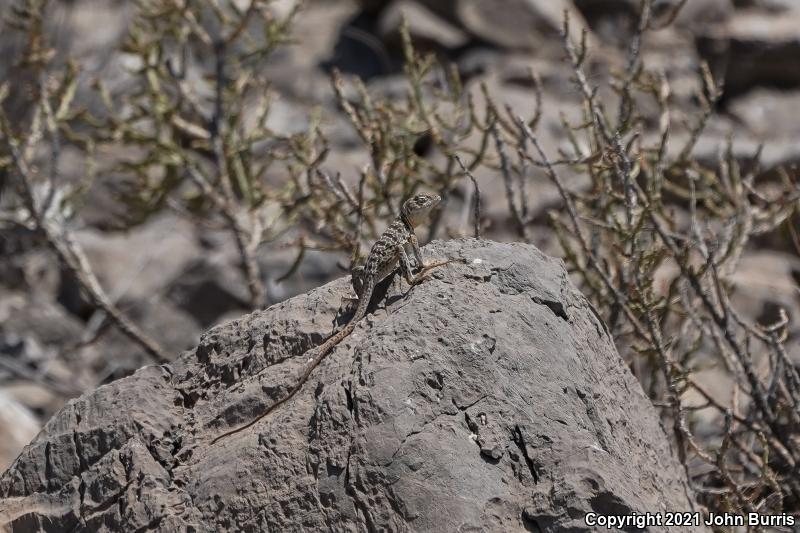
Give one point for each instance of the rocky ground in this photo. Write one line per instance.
(487, 398)
(176, 279)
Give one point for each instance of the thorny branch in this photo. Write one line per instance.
(618, 259)
(51, 223)
(476, 198)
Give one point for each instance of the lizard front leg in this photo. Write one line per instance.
(427, 268)
(405, 264)
(423, 268)
(417, 252)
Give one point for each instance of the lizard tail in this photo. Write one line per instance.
(324, 349)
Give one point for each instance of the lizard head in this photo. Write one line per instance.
(417, 208)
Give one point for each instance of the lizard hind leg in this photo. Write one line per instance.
(357, 281)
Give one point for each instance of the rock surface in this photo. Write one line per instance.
(488, 398)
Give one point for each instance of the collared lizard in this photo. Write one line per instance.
(384, 257)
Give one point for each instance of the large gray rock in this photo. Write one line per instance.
(488, 398)
(513, 24)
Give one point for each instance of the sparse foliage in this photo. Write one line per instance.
(649, 216)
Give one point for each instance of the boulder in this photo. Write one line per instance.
(529, 25)
(511, 24)
(756, 49)
(698, 14)
(763, 113)
(770, 6)
(427, 30)
(490, 397)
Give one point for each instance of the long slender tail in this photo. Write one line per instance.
(323, 350)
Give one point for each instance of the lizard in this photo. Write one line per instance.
(383, 258)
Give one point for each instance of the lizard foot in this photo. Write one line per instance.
(421, 275)
(348, 302)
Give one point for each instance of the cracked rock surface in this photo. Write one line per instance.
(488, 398)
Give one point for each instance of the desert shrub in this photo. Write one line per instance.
(648, 213)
